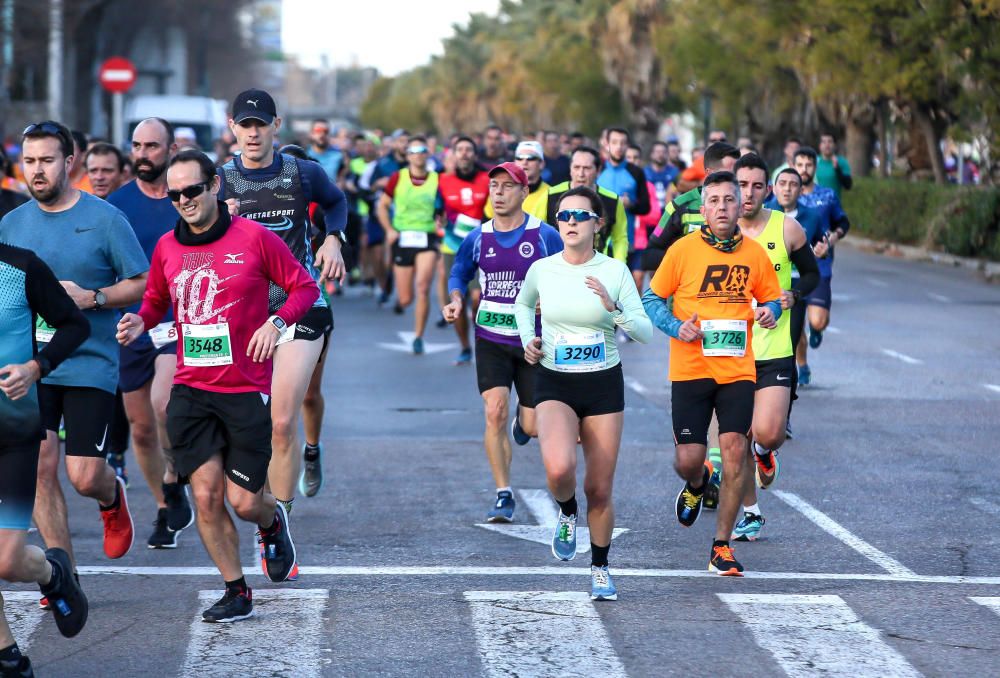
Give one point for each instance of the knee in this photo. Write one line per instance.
(560, 473)
(8, 571)
(282, 426)
(160, 408)
(313, 399)
(144, 436)
(88, 482)
(598, 495)
(496, 413)
(734, 451)
(687, 467)
(770, 437)
(245, 505)
(423, 287)
(208, 501)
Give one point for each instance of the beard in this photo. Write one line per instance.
(52, 192)
(147, 171)
(321, 144)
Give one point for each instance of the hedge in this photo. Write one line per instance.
(960, 220)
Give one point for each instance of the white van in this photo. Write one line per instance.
(207, 117)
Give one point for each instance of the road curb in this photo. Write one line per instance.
(990, 270)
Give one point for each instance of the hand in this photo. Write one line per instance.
(690, 330)
(263, 341)
(821, 249)
(832, 238)
(787, 300)
(598, 288)
(453, 310)
(533, 351)
(765, 318)
(391, 236)
(129, 328)
(835, 161)
(234, 206)
(15, 380)
(84, 299)
(330, 261)
(626, 201)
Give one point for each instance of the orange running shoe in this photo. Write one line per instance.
(724, 562)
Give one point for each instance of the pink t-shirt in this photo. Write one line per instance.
(648, 221)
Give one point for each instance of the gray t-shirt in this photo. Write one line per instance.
(93, 245)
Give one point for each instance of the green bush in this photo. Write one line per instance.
(960, 220)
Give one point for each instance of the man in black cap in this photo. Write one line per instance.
(276, 190)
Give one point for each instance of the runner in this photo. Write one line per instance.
(216, 272)
(329, 157)
(413, 195)
(465, 192)
(660, 172)
(275, 190)
(556, 163)
(105, 167)
(579, 388)
(832, 170)
(713, 276)
(612, 238)
(31, 291)
(494, 151)
(528, 156)
(90, 246)
(628, 182)
(148, 364)
(502, 250)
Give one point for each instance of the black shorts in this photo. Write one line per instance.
(822, 296)
(118, 436)
(776, 372)
(634, 260)
(587, 393)
(317, 323)
(137, 364)
(407, 256)
(86, 414)
(235, 425)
(18, 476)
(692, 404)
(504, 365)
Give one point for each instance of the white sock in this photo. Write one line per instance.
(755, 509)
(504, 489)
(758, 450)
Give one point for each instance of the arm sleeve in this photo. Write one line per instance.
(843, 170)
(286, 272)
(660, 313)
(641, 206)
(767, 290)
(47, 298)
(524, 305)
(464, 268)
(619, 234)
(805, 262)
(326, 194)
(156, 298)
(633, 318)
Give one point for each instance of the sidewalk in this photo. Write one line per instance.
(990, 270)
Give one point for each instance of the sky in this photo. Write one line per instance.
(391, 35)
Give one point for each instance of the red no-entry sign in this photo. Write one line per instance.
(117, 75)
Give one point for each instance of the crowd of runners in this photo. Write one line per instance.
(179, 303)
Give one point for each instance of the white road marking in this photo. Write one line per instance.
(939, 297)
(536, 633)
(877, 283)
(817, 635)
(826, 523)
(636, 386)
(261, 643)
(405, 344)
(992, 387)
(546, 514)
(991, 602)
(902, 356)
(833, 330)
(842, 297)
(23, 615)
(985, 505)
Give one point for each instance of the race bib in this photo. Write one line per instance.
(163, 334)
(465, 225)
(207, 345)
(497, 318)
(413, 239)
(580, 352)
(43, 330)
(726, 338)
(287, 335)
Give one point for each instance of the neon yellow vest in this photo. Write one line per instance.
(414, 205)
(776, 343)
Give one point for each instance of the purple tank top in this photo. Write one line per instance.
(501, 274)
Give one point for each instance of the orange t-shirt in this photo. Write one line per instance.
(717, 286)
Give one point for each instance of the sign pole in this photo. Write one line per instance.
(117, 116)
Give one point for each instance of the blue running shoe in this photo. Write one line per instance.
(815, 338)
(465, 357)
(516, 432)
(601, 585)
(503, 509)
(748, 529)
(564, 538)
(805, 375)
(418, 346)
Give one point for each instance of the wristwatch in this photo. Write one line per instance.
(619, 308)
(100, 299)
(278, 323)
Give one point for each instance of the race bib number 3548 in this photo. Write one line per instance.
(207, 345)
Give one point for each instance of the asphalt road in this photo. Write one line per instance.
(878, 557)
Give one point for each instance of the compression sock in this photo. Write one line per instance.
(311, 452)
(568, 507)
(237, 585)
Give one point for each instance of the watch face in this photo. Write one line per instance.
(278, 322)
(100, 298)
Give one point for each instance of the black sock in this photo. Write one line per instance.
(568, 507)
(704, 482)
(720, 542)
(11, 655)
(599, 555)
(237, 585)
(117, 501)
(312, 452)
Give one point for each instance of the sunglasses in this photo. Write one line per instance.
(416, 149)
(46, 128)
(579, 216)
(190, 192)
(526, 157)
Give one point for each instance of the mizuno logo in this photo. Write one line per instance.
(233, 258)
(253, 101)
(100, 448)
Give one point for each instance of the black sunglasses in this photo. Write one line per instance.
(190, 192)
(48, 128)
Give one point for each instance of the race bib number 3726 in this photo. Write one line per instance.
(724, 338)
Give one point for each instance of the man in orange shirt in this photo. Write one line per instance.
(714, 276)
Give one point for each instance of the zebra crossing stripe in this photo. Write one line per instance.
(817, 635)
(987, 601)
(23, 615)
(282, 638)
(528, 633)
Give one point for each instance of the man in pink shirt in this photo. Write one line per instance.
(214, 270)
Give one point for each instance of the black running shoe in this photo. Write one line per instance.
(180, 515)
(162, 537)
(69, 604)
(689, 502)
(17, 669)
(232, 606)
(278, 552)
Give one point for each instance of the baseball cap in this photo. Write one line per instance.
(529, 148)
(256, 104)
(515, 172)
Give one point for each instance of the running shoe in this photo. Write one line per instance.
(19, 668)
(711, 500)
(748, 529)
(233, 606)
(516, 432)
(180, 515)
(788, 430)
(162, 537)
(397, 309)
(805, 375)
(383, 298)
(724, 562)
(767, 469)
(116, 460)
(418, 346)
(564, 538)
(503, 509)
(465, 357)
(689, 500)
(601, 585)
(312, 472)
(278, 552)
(815, 338)
(441, 323)
(66, 598)
(118, 528)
